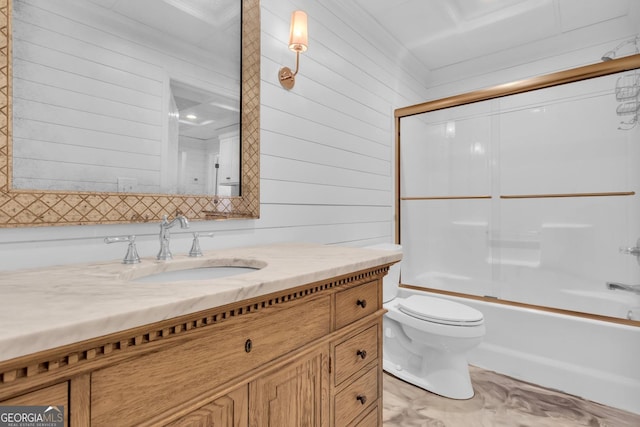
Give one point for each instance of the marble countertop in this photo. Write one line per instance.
(50, 307)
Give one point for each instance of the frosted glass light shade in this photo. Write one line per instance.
(298, 37)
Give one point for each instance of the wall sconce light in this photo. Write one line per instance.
(298, 42)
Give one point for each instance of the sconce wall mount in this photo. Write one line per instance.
(298, 42)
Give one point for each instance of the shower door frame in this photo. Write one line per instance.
(600, 69)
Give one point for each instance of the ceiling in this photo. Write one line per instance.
(446, 34)
(200, 23)
(436, 40)
(209, 30)
(204, 115)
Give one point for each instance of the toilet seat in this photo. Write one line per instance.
(440, 310)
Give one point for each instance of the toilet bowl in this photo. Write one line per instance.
(426, 338)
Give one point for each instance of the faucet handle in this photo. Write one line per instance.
(132, 253)
(195, 246)
(635, 251)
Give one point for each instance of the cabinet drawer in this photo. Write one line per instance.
(370, 420)
(355, 303)
(56, 395)
(358, 397)
(139, 389)
(355, 353)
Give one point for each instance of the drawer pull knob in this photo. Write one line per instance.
(362, 354)
(248, 345)
(362, 303)
(362, 399)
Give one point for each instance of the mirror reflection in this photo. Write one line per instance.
(127, 96)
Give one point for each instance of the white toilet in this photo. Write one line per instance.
(426, 338)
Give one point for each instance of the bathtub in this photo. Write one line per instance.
(542, 288)
(596, 360)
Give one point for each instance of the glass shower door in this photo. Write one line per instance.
(446, 200)
(531, 198)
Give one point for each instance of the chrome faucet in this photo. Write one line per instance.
(132, 256)
(165, 225)
(623, 287)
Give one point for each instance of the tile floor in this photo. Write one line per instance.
(499, 401)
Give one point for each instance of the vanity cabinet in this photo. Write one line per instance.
(202, 358)
(229, 410)
(357, 374)
(56, 395)
(307, 356)
(295, 395)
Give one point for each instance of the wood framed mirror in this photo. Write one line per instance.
(26, 207)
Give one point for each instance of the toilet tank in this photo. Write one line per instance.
(392, 279)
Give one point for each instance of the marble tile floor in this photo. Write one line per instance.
(499, 401)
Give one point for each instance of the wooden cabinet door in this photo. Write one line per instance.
(230, 410)
(56, 395)
(292, 396)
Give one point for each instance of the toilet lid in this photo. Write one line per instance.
(440, 310)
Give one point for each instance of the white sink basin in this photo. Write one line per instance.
(201, 273)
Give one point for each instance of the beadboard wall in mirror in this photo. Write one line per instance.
(173, 159)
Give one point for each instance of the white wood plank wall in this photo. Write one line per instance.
(326, 149)
(97, 94)
(327, 145)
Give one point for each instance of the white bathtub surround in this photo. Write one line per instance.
(588, 358)
(49, 307)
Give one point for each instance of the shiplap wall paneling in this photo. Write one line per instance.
(343, 51)
(312, 171)
(41, 102)
(74, 72)
(301, 133)
(326, 149)
(84, 21)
